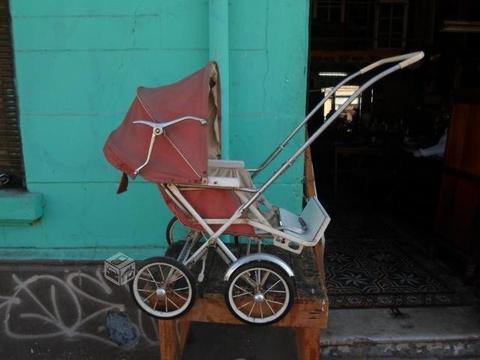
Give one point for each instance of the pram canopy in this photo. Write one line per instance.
(187, 114)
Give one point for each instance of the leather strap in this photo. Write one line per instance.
(123, 184)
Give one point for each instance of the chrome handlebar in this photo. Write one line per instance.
(405, 61)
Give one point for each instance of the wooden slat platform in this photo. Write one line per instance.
(308, 316)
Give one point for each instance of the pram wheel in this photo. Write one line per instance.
(176, 231)
(164, 288)
(259, 293)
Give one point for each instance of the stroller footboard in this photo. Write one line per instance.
(305, 230)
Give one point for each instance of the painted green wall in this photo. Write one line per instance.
(78, 64)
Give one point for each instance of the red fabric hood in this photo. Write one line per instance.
(180, 154)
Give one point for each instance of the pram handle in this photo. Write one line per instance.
(405, 61)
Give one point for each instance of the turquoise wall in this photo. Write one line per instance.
(78, 65)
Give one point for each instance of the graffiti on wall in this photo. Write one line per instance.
(77, 305)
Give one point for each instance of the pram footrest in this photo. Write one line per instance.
(304, 230)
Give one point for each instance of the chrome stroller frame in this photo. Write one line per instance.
(255, 276)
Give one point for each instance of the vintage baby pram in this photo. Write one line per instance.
(171, 136)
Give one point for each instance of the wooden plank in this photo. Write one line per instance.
(310, 189)
(307, 317)
(308, 343)
(169, 345)
(212, 308)
(183, 330)
(319, 252)
(463, 147)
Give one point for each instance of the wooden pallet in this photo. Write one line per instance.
(308, 316)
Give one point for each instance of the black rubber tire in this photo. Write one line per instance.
(179, 265)
(270, 266)
(170, 225)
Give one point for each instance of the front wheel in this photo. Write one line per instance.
(164, 288)
(259, 293)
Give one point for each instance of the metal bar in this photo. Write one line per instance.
(197, 254)
(226, 251)
(186, 251)
(149, 154)
(224, 257)
(414, 56)
(254, 210)
(320, 130)
(285, 142)
(193, 187)
(222, 221)
(403, 61)
(181, 155)
(190, 208)
(273, 231)
(163, 125)
(211, 241)
(174, 199)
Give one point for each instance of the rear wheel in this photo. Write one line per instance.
(176, 231)
(164, 288)
(259, 293)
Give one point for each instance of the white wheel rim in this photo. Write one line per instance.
(164, 298)
(270, 309)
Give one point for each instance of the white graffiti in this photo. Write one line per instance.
(34, 309)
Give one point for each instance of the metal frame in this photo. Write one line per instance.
(406, 60)
(260, 223)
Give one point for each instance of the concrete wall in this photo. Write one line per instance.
(78, 64)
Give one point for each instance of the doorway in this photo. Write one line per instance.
(406, 216)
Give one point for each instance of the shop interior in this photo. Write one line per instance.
(399, 170)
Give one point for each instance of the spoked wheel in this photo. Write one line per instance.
(176, 231)
(164, 288)
(259, 293)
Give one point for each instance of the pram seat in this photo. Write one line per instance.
(226, 173)
(304, 230)
(224, 189)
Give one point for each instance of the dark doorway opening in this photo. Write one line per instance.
(399, 172)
